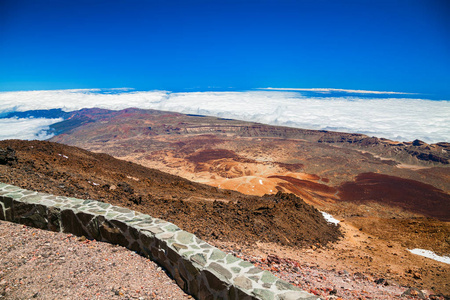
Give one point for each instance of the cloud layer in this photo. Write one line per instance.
(26, 129)
(399, 119)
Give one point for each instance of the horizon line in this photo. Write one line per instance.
(328, 90)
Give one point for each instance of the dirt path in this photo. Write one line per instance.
(38, 264)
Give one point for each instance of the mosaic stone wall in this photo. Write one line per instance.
(198, 268)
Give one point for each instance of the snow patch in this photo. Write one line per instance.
(329, 218)
(260, 182)
(430, 254)
(63, 155)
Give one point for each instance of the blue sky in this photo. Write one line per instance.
(217, 45)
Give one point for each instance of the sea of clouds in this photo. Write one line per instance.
(401, 119)
(26, 129)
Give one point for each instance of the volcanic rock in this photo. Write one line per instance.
(7, 156)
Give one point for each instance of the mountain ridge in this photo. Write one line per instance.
(432, 153)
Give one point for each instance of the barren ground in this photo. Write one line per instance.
(387, 199)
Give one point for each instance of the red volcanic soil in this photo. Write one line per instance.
(307, 184)
(293, 167)
(211, 154)
(411, 195)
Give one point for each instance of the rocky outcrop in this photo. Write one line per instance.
(407, 152)
(7, 156)
(199, 268)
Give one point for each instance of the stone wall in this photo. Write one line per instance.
(198, 268)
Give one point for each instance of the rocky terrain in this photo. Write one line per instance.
(208, 212)
(280, 233)
(389, 196)
(323, 168)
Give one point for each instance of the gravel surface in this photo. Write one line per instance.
(331, 283)
(38, 264)
(327, 284)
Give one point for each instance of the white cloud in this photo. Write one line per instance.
(26, 129)
(394, 118)
(69, 100)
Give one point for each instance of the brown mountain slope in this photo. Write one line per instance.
(204, 210)
(323, 168)
(259, 159)
(248, 224)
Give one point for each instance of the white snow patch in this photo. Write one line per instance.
(329, 218)
(63, 155)
(430, 254)
(260, 182)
